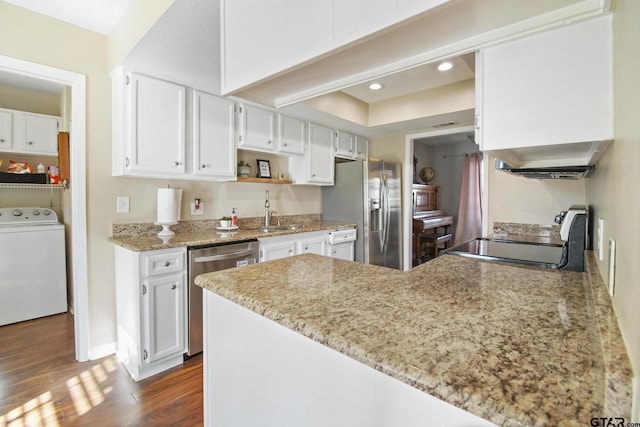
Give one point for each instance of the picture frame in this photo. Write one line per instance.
(264, 168)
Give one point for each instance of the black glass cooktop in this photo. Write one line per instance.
(540, 254)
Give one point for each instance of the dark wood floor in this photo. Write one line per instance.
(41, 384)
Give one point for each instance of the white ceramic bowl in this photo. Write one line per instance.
(226, 223)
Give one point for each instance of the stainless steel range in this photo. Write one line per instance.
(569, 255)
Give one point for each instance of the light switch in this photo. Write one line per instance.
(122, 204)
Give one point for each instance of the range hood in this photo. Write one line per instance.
(549, 172)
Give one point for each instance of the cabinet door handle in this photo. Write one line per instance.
(1, 140)
(145, 354)
(204, 166)
(30, 142)
(167, 263)
(173, 286)
(126, 161)
(284, 144)
(176, 163)
(268, 141)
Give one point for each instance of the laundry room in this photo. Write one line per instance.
(35, 209)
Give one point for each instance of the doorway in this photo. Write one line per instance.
(443, 151)
(78, 275)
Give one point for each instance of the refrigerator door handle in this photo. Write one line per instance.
(385, 211)
(381, 211)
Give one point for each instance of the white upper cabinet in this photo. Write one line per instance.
(546, 98)
(362, 147)
(252, 39)
(261, 38)
(156, 126)
(39, 134)
(292, 135)
(6, 130)
(214, 153)
(344, 144)
(29, 133)
(316, 166)
(349, 146)
(150, 136)
(257, 129)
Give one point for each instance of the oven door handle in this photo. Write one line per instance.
(220, 257)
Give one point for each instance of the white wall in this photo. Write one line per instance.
(613, 189)
(530, 201)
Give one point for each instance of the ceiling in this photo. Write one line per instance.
(100, 16)
(414, 80)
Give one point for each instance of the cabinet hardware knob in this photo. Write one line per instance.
(167, 263)
(285, 144)
(204, 166)
(126, 161)
(313, 175)
(30, 142)
(176, 163)
(1, 140)
(173, 286)
(268, 141)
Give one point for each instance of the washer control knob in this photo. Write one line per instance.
(17, 212)
(46, 213)
(36, 212)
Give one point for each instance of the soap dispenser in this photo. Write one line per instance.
(234, 218)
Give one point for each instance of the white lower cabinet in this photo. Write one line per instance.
(277, 247)
(293, 244)
(341, 244)
(315, 242)
(342, 251)
(151, 308)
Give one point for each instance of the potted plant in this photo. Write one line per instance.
(244, 169)
(225, 222)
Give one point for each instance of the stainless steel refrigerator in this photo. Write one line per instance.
(368, 193)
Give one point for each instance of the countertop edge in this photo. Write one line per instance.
(618, 386)
(215, 237)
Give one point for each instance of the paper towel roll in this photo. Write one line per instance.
(169, 200)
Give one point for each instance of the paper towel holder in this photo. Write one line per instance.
(166, 231)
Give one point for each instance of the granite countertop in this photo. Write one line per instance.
(519, 346)
(138, 237)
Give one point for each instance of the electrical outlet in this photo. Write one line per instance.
(122, 204)
(197, 209)
(601, 239)
(612, 266)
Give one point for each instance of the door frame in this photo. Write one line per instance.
(77, 131)
(407, 198)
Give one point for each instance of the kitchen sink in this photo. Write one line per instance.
(272, 228)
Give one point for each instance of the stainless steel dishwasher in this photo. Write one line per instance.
(206, 260)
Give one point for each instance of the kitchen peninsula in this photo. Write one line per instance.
(311, 340)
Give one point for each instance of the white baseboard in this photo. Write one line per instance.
(103, 351)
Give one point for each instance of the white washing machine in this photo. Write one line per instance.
(33, 276)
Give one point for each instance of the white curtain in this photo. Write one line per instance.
(470, 211)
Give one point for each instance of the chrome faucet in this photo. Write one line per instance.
(267, 212)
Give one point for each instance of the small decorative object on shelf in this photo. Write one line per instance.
(264, 168)
(244, 169)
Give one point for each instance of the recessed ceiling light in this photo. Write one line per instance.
(445, 66)
(376, 86)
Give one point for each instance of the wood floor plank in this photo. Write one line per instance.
(39, 377)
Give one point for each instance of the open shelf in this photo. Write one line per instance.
(265, 180)
(25, 185)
